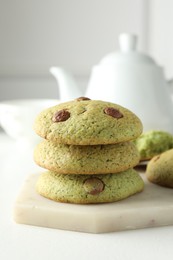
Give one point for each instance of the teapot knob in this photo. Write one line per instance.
(127, 42)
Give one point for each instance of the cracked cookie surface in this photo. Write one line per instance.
(93, 159)
(88, 122)
(84, 189)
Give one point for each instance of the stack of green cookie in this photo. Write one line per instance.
(88, 152)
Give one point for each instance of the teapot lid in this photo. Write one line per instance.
(127, 53)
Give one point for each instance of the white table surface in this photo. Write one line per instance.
(22, 242)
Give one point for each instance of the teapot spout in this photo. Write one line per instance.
(68, 88)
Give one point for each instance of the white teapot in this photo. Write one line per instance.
(129, 78)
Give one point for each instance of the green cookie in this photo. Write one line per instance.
(160, 169)
(91, 159)
(152, 143)
(85, 189)
(88, 122)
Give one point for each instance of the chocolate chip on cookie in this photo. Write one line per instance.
(60, 116)
(82, 98)
(111, 111)
(93, 186)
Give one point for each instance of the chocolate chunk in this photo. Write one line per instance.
(61, 115)
(111, 111)
(82, 98)
(93, 186)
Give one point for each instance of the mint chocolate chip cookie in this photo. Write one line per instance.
(84, 189)
(88, 122)
(160, 169)
(152, 143)
(90, 159)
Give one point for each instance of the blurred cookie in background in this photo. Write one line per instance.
(152, 143)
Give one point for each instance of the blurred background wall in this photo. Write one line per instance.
(76, 34)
